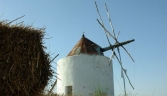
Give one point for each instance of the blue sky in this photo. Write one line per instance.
(142, 20)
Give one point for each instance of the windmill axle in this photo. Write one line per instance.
(116, 45)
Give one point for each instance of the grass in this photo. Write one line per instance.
(97, 93)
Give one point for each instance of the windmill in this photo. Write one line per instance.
(115, 46)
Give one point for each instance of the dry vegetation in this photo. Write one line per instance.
(24, 65)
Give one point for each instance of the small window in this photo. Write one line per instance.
(69, 90)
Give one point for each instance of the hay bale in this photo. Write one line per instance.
(24, 66)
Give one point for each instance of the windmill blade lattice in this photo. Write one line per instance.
(117, 47)
(115, 38)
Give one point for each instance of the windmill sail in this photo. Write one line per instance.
(114, 32)
(115, 38)
(102, 24)
(110, 20)
(116, 45)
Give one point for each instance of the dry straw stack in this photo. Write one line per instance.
(24, 65)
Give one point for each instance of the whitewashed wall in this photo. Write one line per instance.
(86, 74)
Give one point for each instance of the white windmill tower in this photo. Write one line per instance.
(85, 69)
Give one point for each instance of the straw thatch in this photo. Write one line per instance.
(24, 65)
